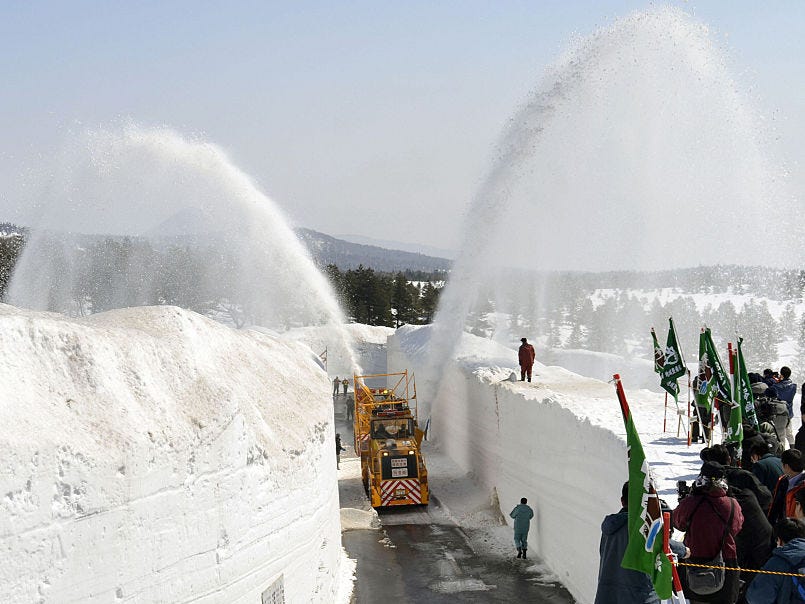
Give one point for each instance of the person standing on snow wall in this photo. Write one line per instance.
(526, 356)
(522, 515)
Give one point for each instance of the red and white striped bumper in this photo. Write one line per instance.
(402, 491)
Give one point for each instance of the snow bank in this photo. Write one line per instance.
(367, 341)
(602, 365)
(152, 455)
(558, 441)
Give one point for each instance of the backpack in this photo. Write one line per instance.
(773, 411)
(768, 431)
(790, 502)
(797, 583)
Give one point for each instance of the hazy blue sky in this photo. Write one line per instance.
(366, 118)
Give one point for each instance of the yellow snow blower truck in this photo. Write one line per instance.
(389, 440)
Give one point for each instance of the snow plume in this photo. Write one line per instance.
(141, 216)
(637, 150)
(153, 455)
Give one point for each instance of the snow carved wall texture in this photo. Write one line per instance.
(530, 446)
(150, 455)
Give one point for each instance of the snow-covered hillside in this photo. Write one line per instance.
(152, 455)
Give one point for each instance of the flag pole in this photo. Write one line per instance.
(690, 425)
(677, 596)
(665, 415)
(644, 549)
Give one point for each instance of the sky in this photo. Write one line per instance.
(364, 118)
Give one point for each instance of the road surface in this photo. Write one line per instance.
(420, 555)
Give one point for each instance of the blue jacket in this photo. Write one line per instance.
(618, 585)
(522, 515)
(772, 589)
(785, 390)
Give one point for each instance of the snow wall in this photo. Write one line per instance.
(522, 441)
(152, 455)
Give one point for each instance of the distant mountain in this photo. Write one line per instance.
(347, 255)
(414, 248)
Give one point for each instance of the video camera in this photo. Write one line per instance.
(683, 489)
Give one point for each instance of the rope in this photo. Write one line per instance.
(746, 570)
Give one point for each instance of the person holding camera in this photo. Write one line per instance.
(711, 520)
(754, 543)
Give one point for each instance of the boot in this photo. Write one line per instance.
(519, 553)
(524, 556)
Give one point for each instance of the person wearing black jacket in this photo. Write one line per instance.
(738, 477)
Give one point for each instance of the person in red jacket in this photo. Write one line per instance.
(527, 355)
(709, 518)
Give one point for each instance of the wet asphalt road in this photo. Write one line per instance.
(434, 563)
(420, 556)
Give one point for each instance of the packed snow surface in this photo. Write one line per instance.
(153, 455)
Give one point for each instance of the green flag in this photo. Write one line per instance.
(705, 383)
(669, 363)
(735, 429)
(659, 354)
(644, 552)
(743, 389)
(722, 378)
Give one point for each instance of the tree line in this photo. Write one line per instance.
(391, 299)
(114, 272)
(584, 311)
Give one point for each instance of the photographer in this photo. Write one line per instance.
(711, 520)
(754, 542)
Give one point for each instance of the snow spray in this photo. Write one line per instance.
(636, 151)
(137, 216)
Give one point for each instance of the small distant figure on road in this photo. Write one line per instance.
(338, 448)
(350, 405)
(336, 382)
(345, 384)
(522, 515)
(527, 355)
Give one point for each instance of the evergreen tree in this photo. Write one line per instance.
(10, 249)
(601, 335)
(428, 302)
(576, 339)
(799, 362)
(760, 332)
(788, 322)
(402, 300)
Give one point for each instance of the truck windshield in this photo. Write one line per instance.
(393, 428)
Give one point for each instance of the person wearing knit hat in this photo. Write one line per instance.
(712, 469)
(711, 519)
